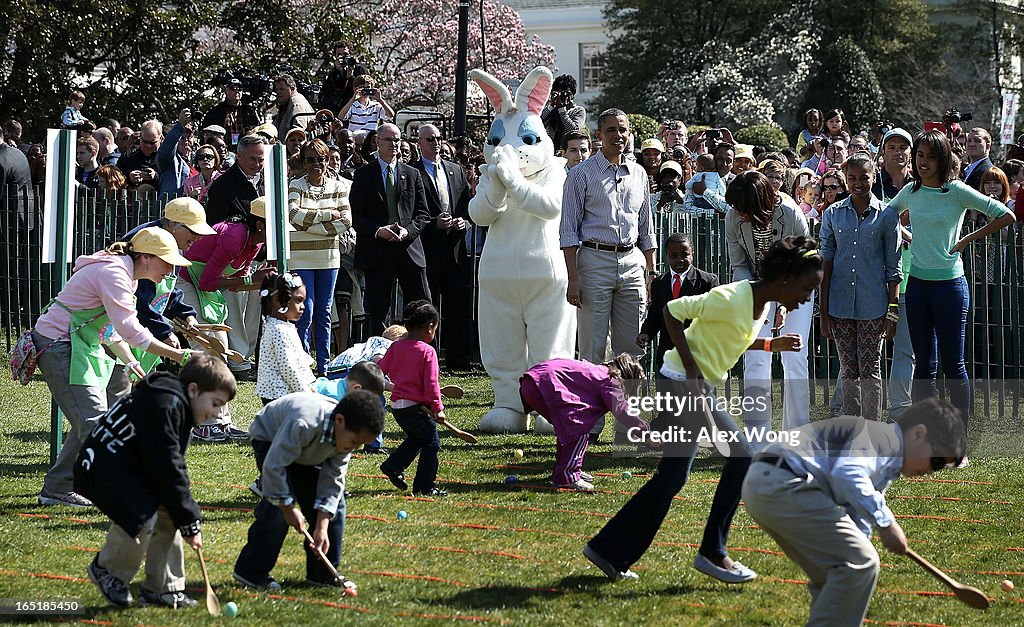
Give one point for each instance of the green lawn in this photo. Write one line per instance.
(495, 553)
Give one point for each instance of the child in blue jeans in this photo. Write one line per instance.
(302, 444)
(411, 364)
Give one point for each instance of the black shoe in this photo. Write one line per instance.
(375, 450)
(431, 492)
(112, 588)
(173, 600)
(267, 583)
(397, 479)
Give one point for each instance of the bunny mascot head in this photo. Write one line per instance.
(524, 317)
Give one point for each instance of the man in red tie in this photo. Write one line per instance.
(682, 279)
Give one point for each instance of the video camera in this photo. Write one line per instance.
(955, 116)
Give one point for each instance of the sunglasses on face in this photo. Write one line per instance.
(316, 160)
(393, 140)
(433, 140)
(205, 157)
(150, 143)
(832, 186)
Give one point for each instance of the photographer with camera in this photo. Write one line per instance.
(979, 142)
(290, 103)
(236, 118)
(339, 86)
(140, 165)
(366, 109)
(560, 114)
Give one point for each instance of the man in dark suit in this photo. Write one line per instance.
(682, 279)
(389, 210)
(979, 141)
(17, 200)
(230, 194)
(444, 244)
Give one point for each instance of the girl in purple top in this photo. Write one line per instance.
(573, 395)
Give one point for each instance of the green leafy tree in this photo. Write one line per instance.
(846, 79)
(656, 36)
(133, 60)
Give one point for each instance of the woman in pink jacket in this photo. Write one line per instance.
(96, 308)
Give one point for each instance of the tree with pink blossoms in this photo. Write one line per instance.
(415, 45)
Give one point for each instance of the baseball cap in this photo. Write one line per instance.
(233, 82)
(157, 242)
(190, 212)
(653, 142)
(215, 128)
(294, 131)
(671, 165)
(258, 208)
(897, 132)
(267, 129)
(744, 151)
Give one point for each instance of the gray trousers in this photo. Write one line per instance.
(613, 294)
(82, 405)
(817, 534)
(159, 543)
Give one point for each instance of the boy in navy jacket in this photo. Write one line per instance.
(132, 467)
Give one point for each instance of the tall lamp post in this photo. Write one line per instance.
(460, 69)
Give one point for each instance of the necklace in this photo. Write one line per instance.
(316, 192)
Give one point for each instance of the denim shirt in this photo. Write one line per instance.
(865, 253)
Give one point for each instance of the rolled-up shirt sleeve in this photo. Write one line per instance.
(645, 224)
(852, 487)
(574, 195)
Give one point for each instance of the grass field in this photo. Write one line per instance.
(497, 553)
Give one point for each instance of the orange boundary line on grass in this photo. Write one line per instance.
(45, 517)
(944, 519)
(951, 498)
(948, 481)
(444, 549)
(385, 573)
(893, 623)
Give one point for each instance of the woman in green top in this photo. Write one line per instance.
(937, 297)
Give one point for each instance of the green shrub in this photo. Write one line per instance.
(644, 127)
(762, 135)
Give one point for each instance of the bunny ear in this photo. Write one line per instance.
(497, 93)
(534, 90)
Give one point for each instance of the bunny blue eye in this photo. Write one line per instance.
(529, 131)
(497, 133)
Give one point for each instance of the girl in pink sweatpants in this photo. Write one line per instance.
(573, 395)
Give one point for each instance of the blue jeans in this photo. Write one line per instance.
(937, 313)
(630, 533)
(267, 533)
(421, 439)
(316, 319)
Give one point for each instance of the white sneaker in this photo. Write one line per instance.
(964, 463)
(586, 476)
(579, 486)
(737, 574)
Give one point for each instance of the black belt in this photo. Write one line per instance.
(612, 248)
(776, 461)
